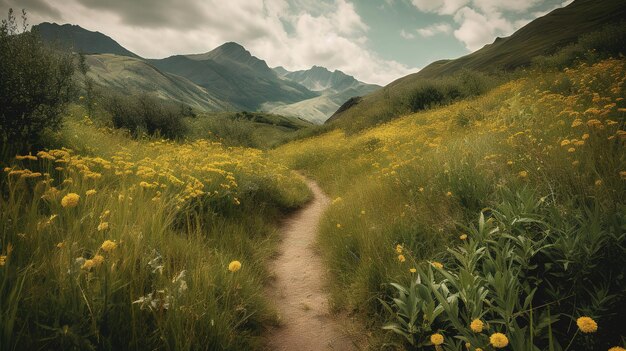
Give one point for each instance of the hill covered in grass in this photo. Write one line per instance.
(498, 203)
(544, 36)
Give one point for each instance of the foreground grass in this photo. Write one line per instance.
(547, 150)
(114, 243)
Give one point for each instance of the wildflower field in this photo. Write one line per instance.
(112, 243)
(497, 222)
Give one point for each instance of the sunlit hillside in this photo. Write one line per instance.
(542, 158)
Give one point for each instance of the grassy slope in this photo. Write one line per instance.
(170, 208)
(542, 36)
(417, 180)
(129, 76)
(251, 129)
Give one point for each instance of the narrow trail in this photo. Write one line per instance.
(298, 289)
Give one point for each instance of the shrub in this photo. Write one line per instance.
(146, 114)
(35, 84)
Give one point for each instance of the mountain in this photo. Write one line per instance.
(129, 75)
(335, 88)
(543, 36)
(80, 40)
(232, 74)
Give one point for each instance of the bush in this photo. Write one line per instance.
(35, 84)
(146, 114)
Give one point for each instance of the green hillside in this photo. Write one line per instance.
(129, 76)
(543, 36)
(232, 74)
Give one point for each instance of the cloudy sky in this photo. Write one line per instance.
(377, 41)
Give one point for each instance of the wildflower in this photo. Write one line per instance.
(90, 192)
(509, 162)
(463, 237)
(598, 182)
(93, 263)
(338, 225)
(468, 345)
(234, 266)
(571, 149)
(498, 340)
(449, 193)
(103, 226)
(399, 248)
(617, 348)
(565, 142)
(478, 349)
(522, 174)
(70, 200)
(436, 339)
(401, 258)
(437, 264)
(61, 245)
(477, 325)
(575, 163)
(412, 270)
(577, 122)
(622, 174)
(587, 325)
(362, 212)
(3, 260)
(585, 136)
(108, 246)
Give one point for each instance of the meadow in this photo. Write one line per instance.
(119, 243)
(503, 211)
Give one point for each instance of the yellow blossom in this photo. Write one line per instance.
(617, 348)
(436, 339)
(498, 340)
(401, 258)
(587, 325)
(90, 192)
(522, 174)
(108, 246)
(70, 200)
(598, 182)
(234, 266)
(463, 237)
(477, 325)
(449, 193)
(437, 264)
(565, 142)
(412, 270)
(585, 136)
(399, 248)
(103, 226)
(571, 149)
(3, 260)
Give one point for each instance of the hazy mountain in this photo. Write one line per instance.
(232, 74)
(544, 35)
(130, 75)
(80, 40)
(335, 89)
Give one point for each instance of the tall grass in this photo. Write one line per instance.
(137, 255)
(550, 138)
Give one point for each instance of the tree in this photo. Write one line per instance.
(35, 85)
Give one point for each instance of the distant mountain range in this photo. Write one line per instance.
(543, 36)
(227, 78)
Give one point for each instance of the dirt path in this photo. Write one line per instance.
(298, 290)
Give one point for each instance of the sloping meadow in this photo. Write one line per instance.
(138, 244)
(506, 208)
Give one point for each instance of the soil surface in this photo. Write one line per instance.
(298, 290)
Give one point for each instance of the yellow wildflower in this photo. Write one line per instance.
(617, 348)
(437, 264)
(61, 245)
(498, 340)
(412, 270)
(234, 266)
(401, 258)
(70, 200)
(522, 174)
(399, 248)
(463, 237)
(339, 225)
(3, 260)
(571, 149)
(622, 174)
(585, 136)
(565, 142)
(436, 339)
(103, 226)
(90, 192)
(477, 325)
(108, 246)
(598, 182)
(587, 325)
(449, 193)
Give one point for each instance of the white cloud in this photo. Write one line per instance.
(407, 35)
(296, 34)
(434, 29)
(442, 7)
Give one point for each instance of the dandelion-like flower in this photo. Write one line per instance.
(477, 325)
(587, 325)
(523, 174)
(70, 200)
(617, 348)
(103, 226)
(463, 237)
(399, 248)
(90, 192)
(401, 258)
(3, 260)
(436, 339)
(437, 264)
(234, 266)
(412, 270)
(108, 246)
(498, 340)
